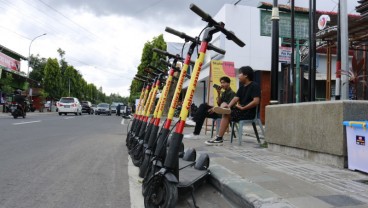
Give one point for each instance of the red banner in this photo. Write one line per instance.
(9, 62)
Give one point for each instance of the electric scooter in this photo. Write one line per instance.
(132, 124)
(189, 157)
(162, 188)
(148, 167)
(142, 119)
(141, 129)
(152, 128)
(151, 144)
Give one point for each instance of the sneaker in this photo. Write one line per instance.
(191, 136)
(190, 122)
(214, 142)
(220, 110)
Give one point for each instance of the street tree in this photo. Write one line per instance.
(148, 58)
(52, 79)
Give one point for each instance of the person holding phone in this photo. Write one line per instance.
(242, 106)
(225, 95)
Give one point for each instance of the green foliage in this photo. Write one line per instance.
(52, 79)
(149, 58)
(38, 65)
(55, 77)
(5, 83)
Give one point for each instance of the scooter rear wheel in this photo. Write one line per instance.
(161, 193)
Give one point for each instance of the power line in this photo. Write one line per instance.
(55, 10)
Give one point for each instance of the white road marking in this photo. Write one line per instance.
(26, 122)
(69, 117)
(123, 121)
(135, 186)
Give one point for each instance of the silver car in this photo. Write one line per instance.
(103, 108)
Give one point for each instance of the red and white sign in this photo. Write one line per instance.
(322, 21)
(9, 62)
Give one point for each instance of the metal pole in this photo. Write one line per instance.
(344, 50)
(29, 51)
(291, 97)
(275, 53)
(338, 56)
(310, 52)
(314, 53)
(298, 91)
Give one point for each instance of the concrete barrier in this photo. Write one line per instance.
(313, 130)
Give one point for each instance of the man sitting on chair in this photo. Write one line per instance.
(206, 111)
(241, 107)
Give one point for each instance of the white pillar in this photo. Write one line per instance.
(344, 50)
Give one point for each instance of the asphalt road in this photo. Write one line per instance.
(63, 161)
(51, 161)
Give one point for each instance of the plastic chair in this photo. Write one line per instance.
(254, 121)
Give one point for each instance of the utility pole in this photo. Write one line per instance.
(312, 51)
(275, 53)
(338, 56)
(291, 68)
(344, 50)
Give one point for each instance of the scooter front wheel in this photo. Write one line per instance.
(161, 193)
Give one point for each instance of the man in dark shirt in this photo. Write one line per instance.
(242, 106)
(206, 111)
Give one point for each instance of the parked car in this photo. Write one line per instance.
(87, 107)
(103, 108)
(69, 105)
(114, 105)
(93, 108)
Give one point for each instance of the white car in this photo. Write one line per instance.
(69, 105)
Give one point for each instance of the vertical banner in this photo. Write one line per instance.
(220, 69)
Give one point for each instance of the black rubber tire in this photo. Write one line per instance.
(151, 170)
(144, 166)
(59, 114)
(137, 155)
(164, 194)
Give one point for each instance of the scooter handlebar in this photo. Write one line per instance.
(165, 53)
(150, 72)
(175, 32)
(214, 48)
(231, 36)
(207, 18)
(138, 79)
(156, 69)
(194, 40)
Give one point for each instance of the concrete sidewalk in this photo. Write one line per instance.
(251, 176)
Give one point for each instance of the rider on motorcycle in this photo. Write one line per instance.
(18, 98)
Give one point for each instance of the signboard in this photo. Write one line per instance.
(221, 69)
(285, 54)
(301, 25)
(9, 62)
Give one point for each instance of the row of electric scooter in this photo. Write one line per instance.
(167, 169)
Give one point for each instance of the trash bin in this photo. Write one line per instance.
(356, 133)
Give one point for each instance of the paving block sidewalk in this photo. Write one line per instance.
(251, 176)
